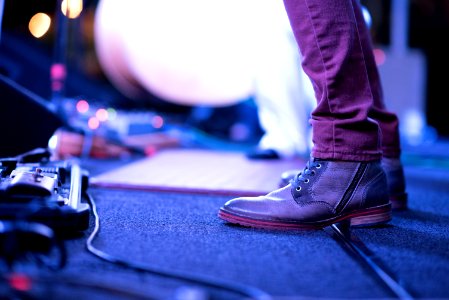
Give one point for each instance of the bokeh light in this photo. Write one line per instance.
(72, 8)
(157, 122)
(102, 115)
(39, 24)
(93, 123)
(53, 142)
(367, 16)
(112, 114)
(82, 106)
(379, 56)
(20, 282)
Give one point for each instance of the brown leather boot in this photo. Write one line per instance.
(395, 178)
(324, 193)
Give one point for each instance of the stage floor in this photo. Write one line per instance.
(174, 227)
(199, 171)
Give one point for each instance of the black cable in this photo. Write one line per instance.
(60, 263)
(357, 247)
(247, 291)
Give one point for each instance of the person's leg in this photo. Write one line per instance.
(329, 37)
(388, 122)
(344, 179)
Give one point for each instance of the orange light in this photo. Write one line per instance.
(39, 24)
(72, 8)
(102, 114)
(157, 121)
(379, 56)
(93, 123)
(82, 106)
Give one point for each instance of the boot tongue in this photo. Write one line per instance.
(312, 159)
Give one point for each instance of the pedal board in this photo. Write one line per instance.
(34, 188)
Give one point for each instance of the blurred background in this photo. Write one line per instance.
(142, 67)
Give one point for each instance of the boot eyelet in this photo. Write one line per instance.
(313, 173)
(306, 180)
(318, 166)
(298, 188)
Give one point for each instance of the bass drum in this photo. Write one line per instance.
(195, 52)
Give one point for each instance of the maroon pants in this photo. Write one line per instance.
(350, 121)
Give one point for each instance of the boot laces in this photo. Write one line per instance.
(304, 175)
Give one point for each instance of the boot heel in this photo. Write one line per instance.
(399, 201)
(378, 216)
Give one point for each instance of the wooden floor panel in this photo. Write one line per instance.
(199, 171)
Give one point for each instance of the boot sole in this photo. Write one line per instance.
(366, 217)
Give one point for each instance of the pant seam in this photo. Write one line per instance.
(321, 54)
(326, 92)
(363, 54)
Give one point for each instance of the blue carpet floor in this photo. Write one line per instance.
(181, 232)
